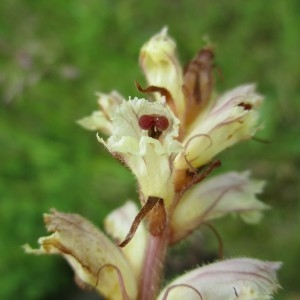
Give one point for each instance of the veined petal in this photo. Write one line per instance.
(160, 64)
(225, 103)
(232, 119)
(118, 223)
(233, 279)
(96, 261)
(101, 119)
(148, 158)
(230, 193)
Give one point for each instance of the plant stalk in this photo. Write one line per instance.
(151, 276)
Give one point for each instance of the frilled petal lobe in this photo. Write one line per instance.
(160, 64)
(232, 119)
(96, 261)
(148, 158)
(233, 279)
(101, 119)
(118, 223)
(229, 193)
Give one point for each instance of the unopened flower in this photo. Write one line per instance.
(162, 69)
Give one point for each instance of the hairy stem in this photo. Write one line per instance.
(153, 266)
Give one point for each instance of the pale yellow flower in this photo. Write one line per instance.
(149, 158)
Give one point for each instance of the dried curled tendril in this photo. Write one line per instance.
(154, 208)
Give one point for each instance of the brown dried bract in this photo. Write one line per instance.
(189, 177)
(154, 207)
(198, 83)
(157, 218)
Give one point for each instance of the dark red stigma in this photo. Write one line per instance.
(155, 124)
(147, 122)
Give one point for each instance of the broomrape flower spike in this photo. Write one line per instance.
(169, 140)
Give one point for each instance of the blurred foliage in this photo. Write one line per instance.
(54, 55)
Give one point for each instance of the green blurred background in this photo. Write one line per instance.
(54, 55)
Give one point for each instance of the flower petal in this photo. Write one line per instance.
(233, 279)
(118, 223)
(101, 119)
(95, 259)
(160, 64)
(233, 118)
(214, 198)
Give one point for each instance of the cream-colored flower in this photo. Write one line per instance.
(233, 279)
(229, 193)
(148, 153)
(233, 118)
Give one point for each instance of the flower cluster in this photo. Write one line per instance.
(169, 141)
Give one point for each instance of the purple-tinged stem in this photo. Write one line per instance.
(153, 266)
